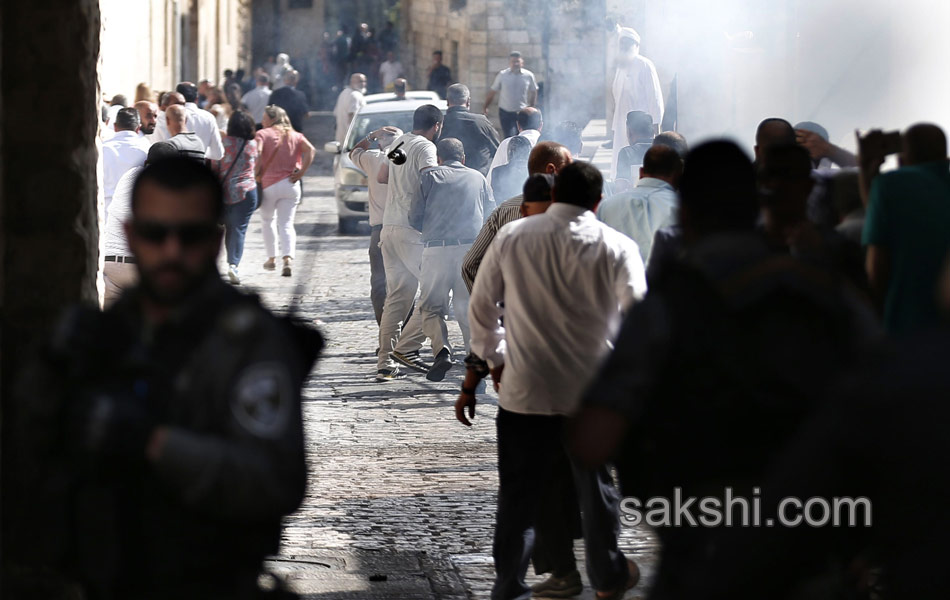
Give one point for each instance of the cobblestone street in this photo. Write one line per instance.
(401, 498)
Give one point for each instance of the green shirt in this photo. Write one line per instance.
(909, 216)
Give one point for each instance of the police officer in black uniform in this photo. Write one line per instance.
(172, 433)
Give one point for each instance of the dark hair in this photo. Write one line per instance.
(241, 125)
(514, 54)
(640, 122)
(426, 117)
(580, 184)
(400, 85)
(774, 132)
(449, 149)
(127, 119)
(568, 134)
(160, 151)
(662, 161)
(228, 73)
(439, 52)
(519, 147)
(718, 188)
(529, 118)
(119, 100)
(239, 74)
(923, 143)
(263, 78)
(181, 174)
(786, 162)
(538, 188)
(188, 90)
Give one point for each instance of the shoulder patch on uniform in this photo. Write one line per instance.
(262, 399)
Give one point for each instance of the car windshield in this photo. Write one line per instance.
(368, 123)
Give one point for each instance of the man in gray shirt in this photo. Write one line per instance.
(187, 142)
(450, 209)
(516, 89)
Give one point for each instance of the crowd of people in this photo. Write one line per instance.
(690, 320)
(702, 319)
(254, 142)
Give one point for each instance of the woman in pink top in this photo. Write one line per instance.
(285, 155)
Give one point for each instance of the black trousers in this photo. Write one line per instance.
(509, 123)
(530, 449)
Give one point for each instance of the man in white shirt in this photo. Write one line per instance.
(124, 151)
(371, 160)
(562, 281)
(516, 89)
(119, 270)
(529, 122)
(389, 71)
(636, 87)
(202, 122)
(647, 208)
(402, 245)
(257, 99)
(348, 104)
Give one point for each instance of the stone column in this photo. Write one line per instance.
(48, 200)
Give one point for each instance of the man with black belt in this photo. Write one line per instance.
(119, 271)
(449, 211)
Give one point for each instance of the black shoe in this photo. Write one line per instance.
(443, 362)
(559, 587)
(384, 375)
(411, 360)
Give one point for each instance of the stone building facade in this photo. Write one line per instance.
(162, 42)
(562, 42)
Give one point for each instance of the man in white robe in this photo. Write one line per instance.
(636, 87)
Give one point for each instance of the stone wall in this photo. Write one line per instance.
(162, 42)
(562, 43)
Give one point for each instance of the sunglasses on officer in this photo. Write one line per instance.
(188, 234)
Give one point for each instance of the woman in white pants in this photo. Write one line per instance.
(285, 155)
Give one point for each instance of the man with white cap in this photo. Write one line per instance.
(636, 87)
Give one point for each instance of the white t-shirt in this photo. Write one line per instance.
(205, 125)
(514, 89)
(256, 101)
(349, 102)
(371, 161)
(114, 242)
(390, 71)
(123, 152)
(404, 179)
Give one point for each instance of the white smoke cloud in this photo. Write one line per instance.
(847, 64)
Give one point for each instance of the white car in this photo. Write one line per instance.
(350, 183)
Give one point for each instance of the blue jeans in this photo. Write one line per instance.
(236, 218)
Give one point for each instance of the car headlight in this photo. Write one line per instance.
(354, 178)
